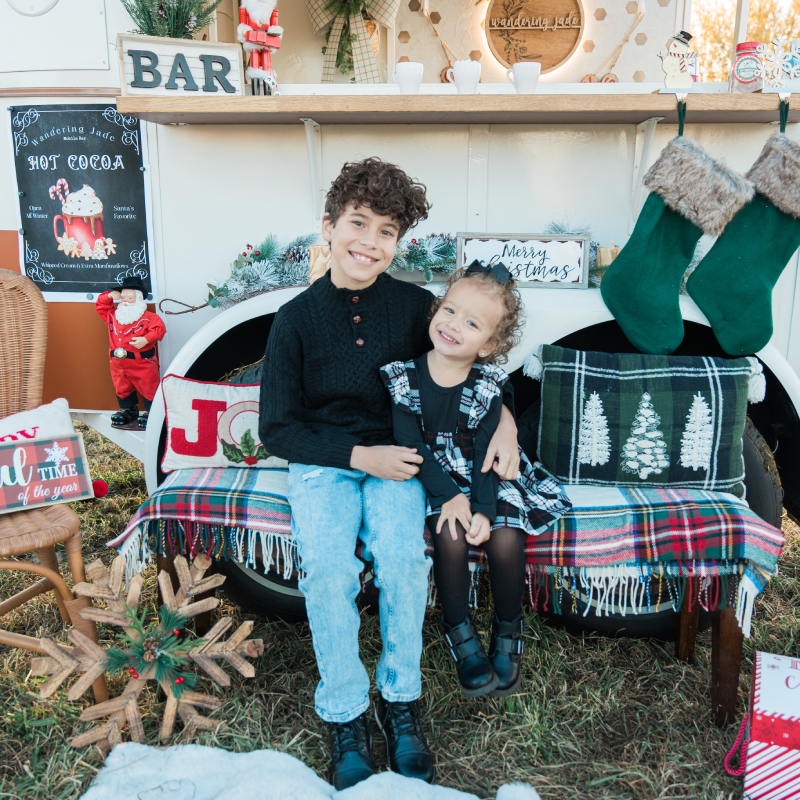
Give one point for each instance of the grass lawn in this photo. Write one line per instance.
(598, 718)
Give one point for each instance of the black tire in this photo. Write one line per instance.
(765, 497)
(267, 595)
(764, 490)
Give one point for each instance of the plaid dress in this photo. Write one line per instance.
(533, 501)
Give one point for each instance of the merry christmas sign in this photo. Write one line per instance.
(41, 472)
(773, 753)
(542, 260)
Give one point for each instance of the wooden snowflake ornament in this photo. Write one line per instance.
(156, 651)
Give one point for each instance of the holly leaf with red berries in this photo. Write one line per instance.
(248, 452)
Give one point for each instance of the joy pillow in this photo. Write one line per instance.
(212, 425)
(51, 419)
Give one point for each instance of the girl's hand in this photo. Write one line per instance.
(455, 510)
(479, 530)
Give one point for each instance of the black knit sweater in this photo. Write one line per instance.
(321, 389)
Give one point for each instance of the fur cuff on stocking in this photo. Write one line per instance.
(696, 186)
(776, 174)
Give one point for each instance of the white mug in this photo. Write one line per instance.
(408, 76)
(525, 76)
(466, 75)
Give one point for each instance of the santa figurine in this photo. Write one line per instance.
(260, 35)
(132, 335)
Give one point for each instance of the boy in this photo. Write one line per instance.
(324, 408)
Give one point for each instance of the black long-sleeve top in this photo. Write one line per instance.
(321, 389)
(440, 406)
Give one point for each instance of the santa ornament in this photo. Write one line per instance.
(132, 335)
(677, 63)
(260, 35)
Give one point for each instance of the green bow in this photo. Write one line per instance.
(348, 12)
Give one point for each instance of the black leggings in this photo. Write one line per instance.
(506, 552)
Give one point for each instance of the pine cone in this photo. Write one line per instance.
(150, 645)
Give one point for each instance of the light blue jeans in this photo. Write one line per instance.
(331, 510)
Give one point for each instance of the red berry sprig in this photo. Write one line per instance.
(176, 632)
(179, 680)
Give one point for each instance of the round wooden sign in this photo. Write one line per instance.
(547, 31)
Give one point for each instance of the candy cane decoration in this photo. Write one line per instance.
(61, 183)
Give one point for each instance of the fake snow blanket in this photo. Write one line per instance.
(192, 772)
(612, 544)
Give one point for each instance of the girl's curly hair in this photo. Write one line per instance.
(509, 328)
(381, 186)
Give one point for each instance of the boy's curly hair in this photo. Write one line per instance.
(383, 187)
(509, 328)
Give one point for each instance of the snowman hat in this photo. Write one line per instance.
(683, 36)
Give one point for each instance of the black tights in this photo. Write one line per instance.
(506, 552)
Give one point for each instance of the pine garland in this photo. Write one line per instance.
(262, 269)
(435, 254)
(159, 645)
(177, 19)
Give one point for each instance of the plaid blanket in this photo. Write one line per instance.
(612, 543)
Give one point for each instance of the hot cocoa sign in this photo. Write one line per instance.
(82, 197)
(40, 472)
(547, 31)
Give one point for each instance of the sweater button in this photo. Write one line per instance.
(359, 342)
(356, 319)
(355, 299)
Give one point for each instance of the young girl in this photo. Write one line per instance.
(447, 405)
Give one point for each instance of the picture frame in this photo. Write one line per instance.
(539, 260)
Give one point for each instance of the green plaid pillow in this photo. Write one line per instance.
(632, 420)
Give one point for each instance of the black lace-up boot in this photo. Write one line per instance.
(475, 673)
(351, 752)
(505, 653)
(406, 747)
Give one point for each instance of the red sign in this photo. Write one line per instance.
(41, 472)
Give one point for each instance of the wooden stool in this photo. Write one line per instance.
(37, 531)
(726, 655)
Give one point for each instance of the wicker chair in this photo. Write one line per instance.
(23, 340)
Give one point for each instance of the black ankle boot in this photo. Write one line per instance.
(505, 653)
(143, 420)
(407, 750)
(475, 673)
(351, 752)
(125, 416)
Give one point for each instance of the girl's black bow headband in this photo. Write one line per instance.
(498, 271)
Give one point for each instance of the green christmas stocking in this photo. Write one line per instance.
(733, 284)
(691, 194)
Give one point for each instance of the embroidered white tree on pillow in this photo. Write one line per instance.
(698, 436)
(594, 446)
(645, 451)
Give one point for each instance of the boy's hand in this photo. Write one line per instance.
(479, 530)
(455, 510)
(389, 462)
(503, 448)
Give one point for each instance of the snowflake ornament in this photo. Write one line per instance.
(55, 454)
(779, 63)
(160, 651)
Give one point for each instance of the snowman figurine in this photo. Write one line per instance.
(677, 62)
